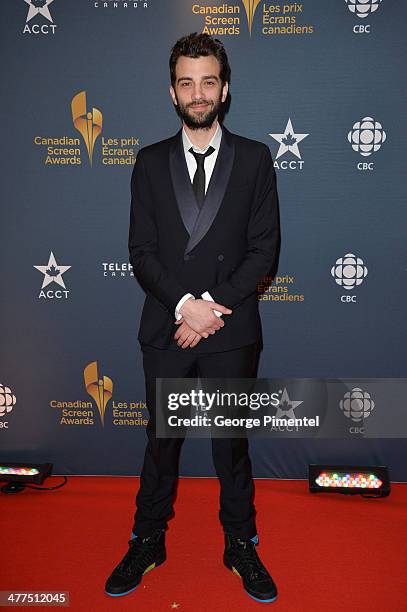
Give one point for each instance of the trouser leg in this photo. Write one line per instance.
(231, 455)
(159, 475)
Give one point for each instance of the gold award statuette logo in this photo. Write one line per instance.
(250, 8)
(89, 124)
(100, 389)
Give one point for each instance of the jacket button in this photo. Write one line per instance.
(220, 258)
(186, 257)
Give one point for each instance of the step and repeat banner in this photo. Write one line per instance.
(84, 87)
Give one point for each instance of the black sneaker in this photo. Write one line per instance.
(242, 559)
(144, 554)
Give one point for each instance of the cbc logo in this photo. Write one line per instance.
(7, 403)
(366, 137)
(357, 405)
(349, 271)
(363, 8)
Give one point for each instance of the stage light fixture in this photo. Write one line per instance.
(368, 481)
(19, 475)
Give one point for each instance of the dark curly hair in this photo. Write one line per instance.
(196, 45)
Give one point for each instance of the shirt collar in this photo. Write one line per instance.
(215, 141)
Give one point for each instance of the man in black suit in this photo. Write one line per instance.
(204, 231)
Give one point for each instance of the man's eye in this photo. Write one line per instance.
(210, 82)
(185, 84)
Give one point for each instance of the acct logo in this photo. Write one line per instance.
(366, 137)
(7, 403)
(295, 415)
(357, 405)
(44, 24)
(53, 274)
(286, 406)
(349, 272)
(289, 141)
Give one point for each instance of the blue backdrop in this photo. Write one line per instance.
(85, 85)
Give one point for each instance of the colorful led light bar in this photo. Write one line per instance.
(350, 479)
(34, 473)
(340, 479)
(19, 471)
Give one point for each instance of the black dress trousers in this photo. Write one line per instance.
(159, 475)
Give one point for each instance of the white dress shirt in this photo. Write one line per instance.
(209, 164)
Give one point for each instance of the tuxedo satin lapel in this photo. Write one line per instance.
(215, 192)
(181, 181)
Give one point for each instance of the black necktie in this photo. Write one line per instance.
(199, 177)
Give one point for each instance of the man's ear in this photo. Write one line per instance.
(225, 90)
(172, 94)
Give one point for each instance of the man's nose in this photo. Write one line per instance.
(197, 93)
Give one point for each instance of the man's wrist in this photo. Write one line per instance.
(180, 304)
(207, 296)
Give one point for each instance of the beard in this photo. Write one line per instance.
(201, 119)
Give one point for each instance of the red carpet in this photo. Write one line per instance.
(326, 552)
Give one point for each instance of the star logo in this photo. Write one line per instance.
(52, 272)
(289, 141)
(34, 10)
(286, 407)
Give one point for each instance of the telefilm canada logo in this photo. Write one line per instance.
(233, 18)
(39, 19)
(103, 408)
(288, 148)
(53, 275)
(349, 272)
(7, 402)
(366, 138)
(362, 9)
(88, 120)
(120, 4)
(117, 269)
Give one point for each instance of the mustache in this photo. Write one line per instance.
(199, 102)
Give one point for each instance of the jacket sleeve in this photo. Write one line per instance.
(143, 243)
(263, 241)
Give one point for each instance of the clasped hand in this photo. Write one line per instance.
(198, 321)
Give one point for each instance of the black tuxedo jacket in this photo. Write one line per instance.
(225, 248)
